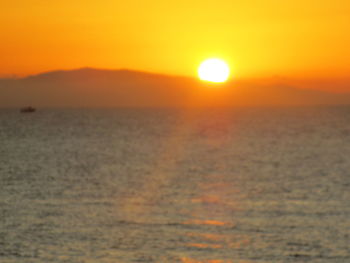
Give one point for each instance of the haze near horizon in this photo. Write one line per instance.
(89, 87)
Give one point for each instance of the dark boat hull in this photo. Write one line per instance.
(28, 110)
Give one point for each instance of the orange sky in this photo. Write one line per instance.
(257, 38)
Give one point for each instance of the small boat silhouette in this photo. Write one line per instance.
(28, 109)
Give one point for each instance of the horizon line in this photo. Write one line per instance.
(269, 77)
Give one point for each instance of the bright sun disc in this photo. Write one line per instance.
(214, 70)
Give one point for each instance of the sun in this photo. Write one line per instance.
(214, 70)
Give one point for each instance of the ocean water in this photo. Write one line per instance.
(244, 185)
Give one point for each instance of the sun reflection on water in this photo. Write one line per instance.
(208, 208)
(206, 222)
(191, 260)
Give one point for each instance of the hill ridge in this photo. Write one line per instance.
(91, 87)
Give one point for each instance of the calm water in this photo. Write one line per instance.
(210, 186)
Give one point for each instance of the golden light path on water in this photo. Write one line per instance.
(213, 188)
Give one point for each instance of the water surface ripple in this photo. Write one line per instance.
(249, 185)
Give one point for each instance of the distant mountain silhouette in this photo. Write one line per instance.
(89, 87)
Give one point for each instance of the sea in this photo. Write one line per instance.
(211, 185)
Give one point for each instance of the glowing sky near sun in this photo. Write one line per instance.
(257, 38)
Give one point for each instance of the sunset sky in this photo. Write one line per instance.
(257, 38)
